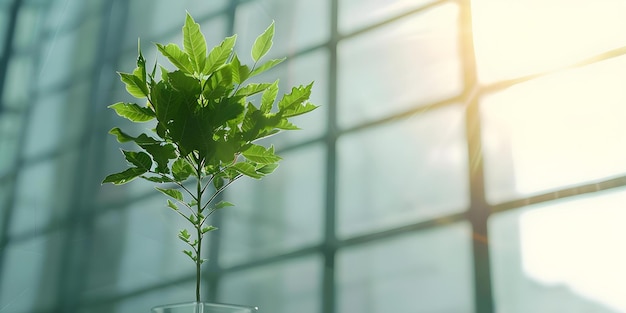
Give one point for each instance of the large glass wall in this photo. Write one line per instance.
(467, 156)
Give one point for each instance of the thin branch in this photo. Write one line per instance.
(217, 192)
(215, 195)
(179, 184)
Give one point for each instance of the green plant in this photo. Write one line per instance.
(206, 126)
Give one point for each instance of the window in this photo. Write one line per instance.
(471, 150)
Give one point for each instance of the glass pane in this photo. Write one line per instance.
(398, 66)
(10, 127)
(63, 15)
(56, 66)
(28, 284)
(555, 131)
(516, 38)
(44, 125)
(299, 24)
(285, 287)
(355, 14)
(402, 173)
(23, 266)
(562, 256)
(136, 247)
(17, 87)
(428, 271)
(26, 28)
(282, 212)
(34, 200)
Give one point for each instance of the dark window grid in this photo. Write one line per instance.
(66, 301)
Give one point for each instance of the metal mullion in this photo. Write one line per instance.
(479, 210)
(329, 246)
(578, 190)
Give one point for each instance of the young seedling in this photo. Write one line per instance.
(206, 126)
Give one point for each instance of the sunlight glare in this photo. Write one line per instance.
(564, 129)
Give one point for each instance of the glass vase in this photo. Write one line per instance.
(203, 307)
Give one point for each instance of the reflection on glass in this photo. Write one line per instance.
(398, 66)
(402, 173)
(285, 287)
(354, 14)
(559, 130)
(427, 271)
(282, 212)
(516, 38)
(564, 256)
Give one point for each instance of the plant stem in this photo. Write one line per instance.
(198, 229)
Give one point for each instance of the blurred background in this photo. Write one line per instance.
(468, 156)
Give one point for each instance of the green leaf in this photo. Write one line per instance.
(219, 55)
(133, 112)
(121, 136)
(134, 85)
(208, 229)
(240, 72)
(188, 86)
(296, 97)
(157, 179)
(218, 182)
(178, 57)
(260, 154)
(268, 98)
(172, 193)
(252, 89)
(223, 204)
(299, 109)
(284, 124)
(247, 169)
(181, 169)
(139, 159)
(124, 177)
(267, 168)
(266, 66)
(141, 62)
(184, 235)
(161, 154)
(263, 43)
(194, 44)
(187, 252)
(172, 205)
